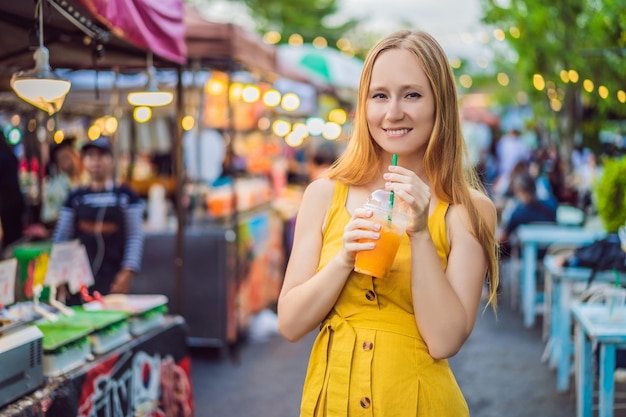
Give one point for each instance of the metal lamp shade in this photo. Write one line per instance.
(152, 96)
(40, 86)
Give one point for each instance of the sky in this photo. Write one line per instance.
(454, 23)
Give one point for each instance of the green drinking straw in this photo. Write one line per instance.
(394, 162)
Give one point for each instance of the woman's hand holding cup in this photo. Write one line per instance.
(414, 192)
(359, 228)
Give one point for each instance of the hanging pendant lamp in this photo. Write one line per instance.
(152, 96)
(40, 86)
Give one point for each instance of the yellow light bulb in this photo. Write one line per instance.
(59, 136)
(271, 98)
(142, 114)
(338, 116)
(290, 102)
(539, 82)
(94, 132)
(188, 122)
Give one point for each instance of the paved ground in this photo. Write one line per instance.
(498, 369)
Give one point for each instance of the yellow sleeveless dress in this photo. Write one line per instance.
(369, 358)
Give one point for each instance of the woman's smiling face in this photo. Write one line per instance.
(400, 107)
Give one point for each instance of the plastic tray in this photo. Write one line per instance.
(8, 324)
(131, 304)
(140, 325)
(57, 334)
(55, 364)
(104, 342)
(97, 320)
(102, 338)
(17, 315)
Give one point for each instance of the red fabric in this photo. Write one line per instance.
(102, 370)
(155, 25)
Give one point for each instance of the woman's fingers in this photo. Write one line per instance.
(360, 228)
(360, 233)
(408, 187)
(415, 195)
(400, 178)
(362, 213)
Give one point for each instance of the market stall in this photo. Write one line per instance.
(220, 236)
(145, 363)
(233, 247)
(151, 375)
(55, 357)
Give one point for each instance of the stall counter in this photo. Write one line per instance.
(149, 375)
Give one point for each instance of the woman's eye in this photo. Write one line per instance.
(414, 95)
(378, 96)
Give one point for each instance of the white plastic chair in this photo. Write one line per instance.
(569, 216)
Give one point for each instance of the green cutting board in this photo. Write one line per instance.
(96, 319)
(57, 335)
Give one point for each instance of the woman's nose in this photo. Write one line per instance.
(394, 110)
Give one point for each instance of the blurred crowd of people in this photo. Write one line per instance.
(528, 181)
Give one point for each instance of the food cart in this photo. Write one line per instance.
(136, 366)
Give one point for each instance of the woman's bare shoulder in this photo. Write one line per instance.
(316, 200)
(485, 206)
(315, 204)
(320, 190)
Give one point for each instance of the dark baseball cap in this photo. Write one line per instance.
(68, 142)
(102, 143)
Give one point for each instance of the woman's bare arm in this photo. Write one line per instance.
(446, 304)
(308, 295)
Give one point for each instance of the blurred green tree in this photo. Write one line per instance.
(570, 60)
(308, 18)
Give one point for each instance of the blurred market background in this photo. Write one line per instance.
(248, 101)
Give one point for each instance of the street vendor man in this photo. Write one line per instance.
(107, 218)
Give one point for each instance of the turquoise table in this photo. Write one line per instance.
(564, 294)
(596, 330)
(533, 237)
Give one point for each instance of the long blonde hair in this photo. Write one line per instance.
(445, 161)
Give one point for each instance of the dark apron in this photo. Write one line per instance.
(103, 232)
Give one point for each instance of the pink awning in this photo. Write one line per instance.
(157, 26)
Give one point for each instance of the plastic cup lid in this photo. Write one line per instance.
(379, 200)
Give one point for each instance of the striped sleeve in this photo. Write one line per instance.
(64, 229)
(133, 250)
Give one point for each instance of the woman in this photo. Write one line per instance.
(383, 342)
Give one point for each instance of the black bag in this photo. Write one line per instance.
(602, 255)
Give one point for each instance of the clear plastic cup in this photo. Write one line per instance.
(378, 261)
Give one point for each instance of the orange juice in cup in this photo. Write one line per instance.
(377, 262)
(393, 220)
